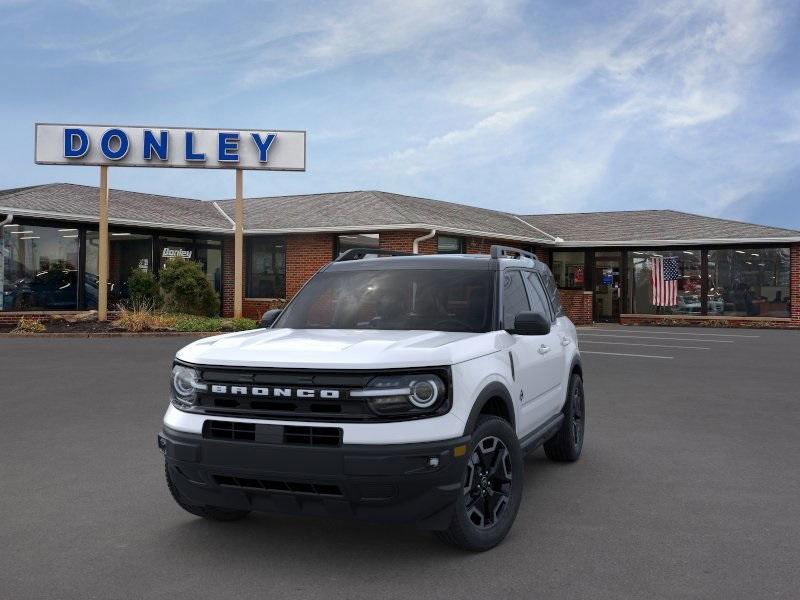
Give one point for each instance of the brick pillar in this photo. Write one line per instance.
(794, 284)
(226, 307)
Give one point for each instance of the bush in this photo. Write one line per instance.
(243, 324)
(186, 289)
(143, 289)
(26, 325)
(141, 317)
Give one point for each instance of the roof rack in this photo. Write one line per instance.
(361, 253)
(510, 252)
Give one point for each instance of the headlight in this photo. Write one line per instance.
(185, 385)
(412, 394)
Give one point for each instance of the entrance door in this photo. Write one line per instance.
(607, 285)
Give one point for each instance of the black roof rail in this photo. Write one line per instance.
(361, 253)
(503, 251)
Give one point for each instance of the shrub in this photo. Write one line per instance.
(186, 289)
(26, 325)
(141, 317)
(196, 323)
(143, 289)
(243, 324)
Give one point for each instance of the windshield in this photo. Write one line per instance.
(439, 300)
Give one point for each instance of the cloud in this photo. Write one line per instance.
(465, 146)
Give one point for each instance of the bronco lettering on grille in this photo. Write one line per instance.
(274, 392)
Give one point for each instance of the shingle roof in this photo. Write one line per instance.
(375, 210)
(362, 211)
(650, 225)
(72, 201)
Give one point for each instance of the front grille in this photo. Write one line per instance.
(312, 436)
(298, 394)
(230, 430)
(273, 434)
(277, 486)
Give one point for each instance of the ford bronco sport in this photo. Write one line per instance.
(391, 388)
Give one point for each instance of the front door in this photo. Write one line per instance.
(607, 286)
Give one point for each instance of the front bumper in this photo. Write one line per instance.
(402, 483)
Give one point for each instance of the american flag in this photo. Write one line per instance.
(664, 277)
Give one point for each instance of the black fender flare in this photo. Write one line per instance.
(494, 389)
(574, 367)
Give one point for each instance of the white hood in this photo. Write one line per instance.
(339, 348)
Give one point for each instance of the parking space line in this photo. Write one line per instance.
(734, 335)
(624, 354)
(648, 345)
(650, 337)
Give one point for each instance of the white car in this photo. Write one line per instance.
(391, 388)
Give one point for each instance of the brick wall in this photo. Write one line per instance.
(305, 255)
(709, 321)
(577, 305)
(253, 309)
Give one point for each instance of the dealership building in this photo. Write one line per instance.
(610, 266)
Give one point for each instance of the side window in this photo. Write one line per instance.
(552, 292)
(539, 301)
(515, 298)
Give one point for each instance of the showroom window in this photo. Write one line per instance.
(209, 255)
(448, 244)
(665, 282)
(39, 267)
(266, 267)
(357, 240)
(748, 282)
(128, 252)
(569, 270)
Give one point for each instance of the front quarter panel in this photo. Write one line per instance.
(471, 377)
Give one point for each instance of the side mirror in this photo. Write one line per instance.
(269, 317)
(531, 323)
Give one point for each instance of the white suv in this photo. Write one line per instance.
(391, 388)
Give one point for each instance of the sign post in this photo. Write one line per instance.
(176, 147)
(238, 244)
(103, 253)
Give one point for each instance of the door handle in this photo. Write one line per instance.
(544, 349)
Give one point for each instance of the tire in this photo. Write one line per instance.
(486, 510)
(215, 513)
(566, 444)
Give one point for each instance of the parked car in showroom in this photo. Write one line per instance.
(392, 388)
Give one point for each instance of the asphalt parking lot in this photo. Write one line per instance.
(688, 487)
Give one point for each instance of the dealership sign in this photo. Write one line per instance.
(193, 148)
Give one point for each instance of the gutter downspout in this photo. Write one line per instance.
(7, 220)
(415, 244)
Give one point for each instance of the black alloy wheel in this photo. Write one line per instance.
(567, 443)
(491, 489)
(487, 486)
(578, 409)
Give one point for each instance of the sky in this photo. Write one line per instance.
(528, 107)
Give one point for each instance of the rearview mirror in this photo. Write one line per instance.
(531, 323)
(269, 317)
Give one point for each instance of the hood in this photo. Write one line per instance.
(338, 348)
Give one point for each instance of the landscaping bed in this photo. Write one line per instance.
(128, 322)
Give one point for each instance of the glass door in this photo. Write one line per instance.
(607, 285)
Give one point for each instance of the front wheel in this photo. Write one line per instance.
(491, 488)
